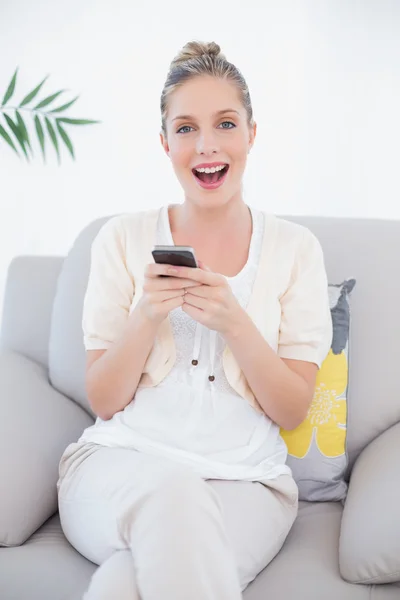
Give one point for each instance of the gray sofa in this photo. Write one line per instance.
(43, 407)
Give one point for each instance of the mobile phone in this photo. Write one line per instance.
(180, 256)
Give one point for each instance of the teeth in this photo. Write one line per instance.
(210, 170)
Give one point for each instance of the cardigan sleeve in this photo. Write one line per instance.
(305, 331)
(110, 288)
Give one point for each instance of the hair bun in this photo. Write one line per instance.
(193, 50)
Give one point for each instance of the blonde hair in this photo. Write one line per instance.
(200, 58)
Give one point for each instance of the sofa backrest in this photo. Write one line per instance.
(30, 290)
(66, 350)
(368, 250)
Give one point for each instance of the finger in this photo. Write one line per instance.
(204, 291)
(203, 266)
(196, 301)
(204, 277)
(196, 313)
(167, 283)
(164, 295)
(173, 303)
(155, 270)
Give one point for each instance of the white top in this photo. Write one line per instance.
(205, 425)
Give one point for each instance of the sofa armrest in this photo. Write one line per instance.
(36, 424)
(369, 548)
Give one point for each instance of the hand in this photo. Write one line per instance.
(161, 294)
(211, 302)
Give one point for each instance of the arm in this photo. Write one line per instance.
(110, 334)
(283, 387)
(118, 342)
(283, 382)
(112, 375)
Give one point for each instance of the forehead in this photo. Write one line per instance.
(204, 96)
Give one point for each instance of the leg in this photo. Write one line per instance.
(257, 520)
(170, 519)
(115, 578)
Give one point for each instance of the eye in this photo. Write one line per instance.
(180, 130)
(224, 124)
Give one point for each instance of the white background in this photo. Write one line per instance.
(324, 76)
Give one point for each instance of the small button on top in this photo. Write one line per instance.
(211, 377)
(195, 362)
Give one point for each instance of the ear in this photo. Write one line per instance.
(253, 133)
(164, 143)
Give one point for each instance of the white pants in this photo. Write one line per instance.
(159, 531)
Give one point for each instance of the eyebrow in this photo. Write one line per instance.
(219, 112)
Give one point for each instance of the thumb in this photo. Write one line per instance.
(203, 266)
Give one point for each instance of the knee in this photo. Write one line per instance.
(180, 498)
(177, 503)
(186, 491)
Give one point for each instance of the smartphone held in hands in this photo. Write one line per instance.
(179, 256)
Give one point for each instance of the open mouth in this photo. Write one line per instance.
(211, 178)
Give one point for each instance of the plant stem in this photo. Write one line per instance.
(19, 108)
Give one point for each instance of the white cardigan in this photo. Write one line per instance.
(207, 425)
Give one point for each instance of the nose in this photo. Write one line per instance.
(207, 143)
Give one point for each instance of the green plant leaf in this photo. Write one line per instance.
(53, 137)
(18, 134)
(77, 121)
(23, 129)
(49, 99)
(9, 141)
(40, 133)
(64, 106)
(66, 139)
(33, 93)
(10, 89)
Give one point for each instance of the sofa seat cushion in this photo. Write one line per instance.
(46, 567)
(307, 567)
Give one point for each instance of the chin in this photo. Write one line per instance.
(211, 200)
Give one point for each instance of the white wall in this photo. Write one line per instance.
(324, 78)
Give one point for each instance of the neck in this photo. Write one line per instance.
(200, 221)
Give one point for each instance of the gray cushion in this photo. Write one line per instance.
(370, 534)
(46, 567)
(36, 425)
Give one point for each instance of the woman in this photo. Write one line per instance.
(180, 490)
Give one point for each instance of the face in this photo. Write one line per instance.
(207, 128)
